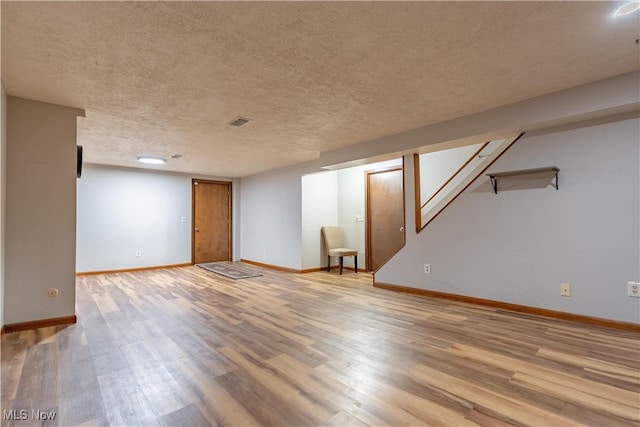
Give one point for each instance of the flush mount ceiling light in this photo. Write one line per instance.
(627, 8)
(239, 121)
(151, 160)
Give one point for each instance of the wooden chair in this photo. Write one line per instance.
(333, 242)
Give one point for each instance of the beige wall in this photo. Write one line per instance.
(40, 229)
(3, 181)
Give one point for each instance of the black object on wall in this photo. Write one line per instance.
(79, 164)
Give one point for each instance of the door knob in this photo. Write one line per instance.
(196, 230)
(401, 229)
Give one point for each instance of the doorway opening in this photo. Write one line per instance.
(338, 198)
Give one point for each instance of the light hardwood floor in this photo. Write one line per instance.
(187, 347)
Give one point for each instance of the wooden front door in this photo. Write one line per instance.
(211, 221)
(385, 215)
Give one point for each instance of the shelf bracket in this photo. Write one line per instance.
(494, 183)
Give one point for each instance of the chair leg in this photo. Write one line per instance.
(328, 263)
(341, 261)
(355, 261)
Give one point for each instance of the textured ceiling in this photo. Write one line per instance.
(164, 78)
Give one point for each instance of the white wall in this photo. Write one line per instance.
(518, 246)
(123, 210)
(3, 187)
(40, 239)
(271, 217)
(351, 189)
(437, 167)
(319, 208)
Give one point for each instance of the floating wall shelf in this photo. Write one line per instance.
(540, 173)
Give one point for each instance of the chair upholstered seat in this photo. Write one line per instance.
(343, 252)
(332, 237)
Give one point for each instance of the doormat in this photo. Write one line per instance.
(228, 270)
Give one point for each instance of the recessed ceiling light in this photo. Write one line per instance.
(151, 160)
(627, 8)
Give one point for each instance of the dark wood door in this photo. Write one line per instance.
(211, 221)
(385, 215)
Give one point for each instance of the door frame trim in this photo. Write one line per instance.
(367, 222)
(229, 185)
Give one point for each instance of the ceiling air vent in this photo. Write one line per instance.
(239, 121)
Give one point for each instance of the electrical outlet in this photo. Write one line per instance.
(633, 289)
(565, 289)
(52, 293)
(138, 253)
(427, 269)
